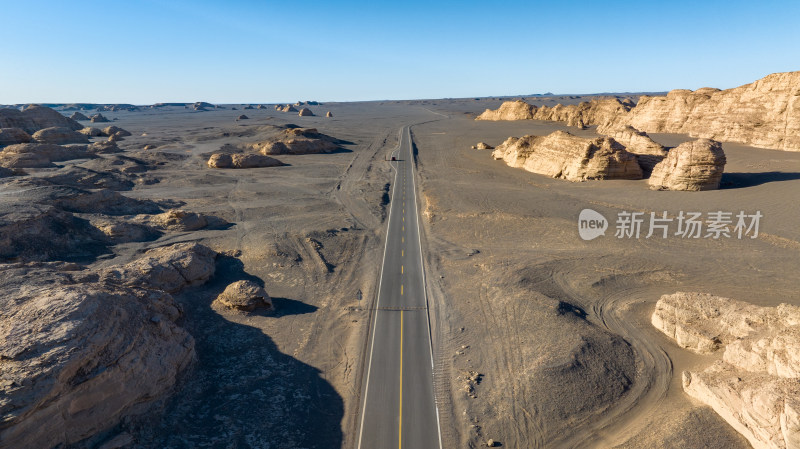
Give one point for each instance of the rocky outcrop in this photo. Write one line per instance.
(81, 350)
(169, 269)
(328, 114)
(637, 142)
(115, 131)
(177, 220)
(242, 117)
(562, 155)
(286, 108)
(59, 136)
(12, 136)
(38, 155)
(99, 118)
(90, 131)
(43, 232)
(245, 296)
(598, 111)
(78, 116)
(755, 386)
(765, 113)
(305, 112)
(34, 118)
(509, 110)
(222, 160)
(694, 166)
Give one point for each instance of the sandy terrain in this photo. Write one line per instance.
(507, 258)
(541, 339)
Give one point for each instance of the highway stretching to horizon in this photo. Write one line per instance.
(399, 408)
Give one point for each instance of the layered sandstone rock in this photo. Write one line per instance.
(509, 110)
(595, 112)
(637, 142)
(562, 155)
(245, 295)
(91, 131)
(82, 349)
(177, 220)
(765, 113)
(34, 118)
(59, 136)
(297, 141)
(694, 166)
(755, 387)
(12, 136)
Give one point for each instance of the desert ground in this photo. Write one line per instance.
(540, 339)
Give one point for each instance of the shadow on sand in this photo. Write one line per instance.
(242, 392)
(741, 180)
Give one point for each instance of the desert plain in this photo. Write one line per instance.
(203, 275)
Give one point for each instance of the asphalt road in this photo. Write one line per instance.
(399, 408)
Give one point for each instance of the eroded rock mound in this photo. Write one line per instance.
(637, 142)
(80, 353)
(509, 110)
(115, 131)
(99, 118)
(694, 166)
(178, 220)
(755, 386)
(286, 108)
(78, 116)
(37, 155)
(305, 112)
(242, 117)
(328, 114)
(59, 136)
(245, 295)
(562, 155)
(12, 136)
(222, 160)
(765, 113)
(34, 118)
(90, 131)
(169, 269)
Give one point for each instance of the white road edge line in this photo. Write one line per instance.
(424, 288)
(380, 284)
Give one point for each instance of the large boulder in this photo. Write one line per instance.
(755, 387)
(59, 136)
(91, 131)
(562, 155)
(329, 114)
(34, 118)
(245, 296)
(78, 355)
(305, 112)
(694, 166)
(99, 118)
(242, 117)
(12, 136)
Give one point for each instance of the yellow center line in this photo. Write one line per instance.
(401, 269)
(401, 289)
(402, 253)
(402, 239)
(400, 422)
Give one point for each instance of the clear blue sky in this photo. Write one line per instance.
(144, 51)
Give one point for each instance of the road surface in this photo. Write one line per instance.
(399, 408)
